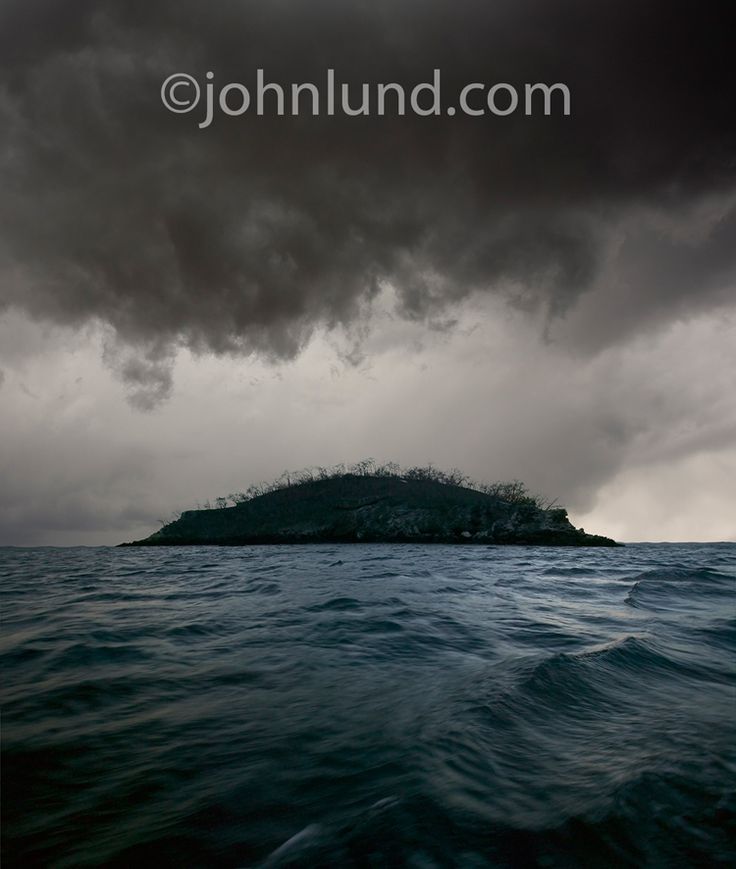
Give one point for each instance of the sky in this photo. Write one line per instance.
(185, 311)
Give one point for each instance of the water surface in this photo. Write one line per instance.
(369, 705)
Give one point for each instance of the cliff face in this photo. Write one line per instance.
(355, 509)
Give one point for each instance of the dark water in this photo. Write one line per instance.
(369, 706)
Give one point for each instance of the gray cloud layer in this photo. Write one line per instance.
(246, 236)
(79, 466)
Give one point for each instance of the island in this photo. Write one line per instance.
(370, 504)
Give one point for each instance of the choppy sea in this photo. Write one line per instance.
(369, 705)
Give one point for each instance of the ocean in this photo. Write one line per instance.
(369, 705)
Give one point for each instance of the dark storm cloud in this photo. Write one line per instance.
(247, 235)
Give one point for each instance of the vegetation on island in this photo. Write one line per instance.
(511, 492)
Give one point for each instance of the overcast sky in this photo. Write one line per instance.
(185, 311)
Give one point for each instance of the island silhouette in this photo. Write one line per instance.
(371, 503)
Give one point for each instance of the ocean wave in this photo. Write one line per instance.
(679, 587)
